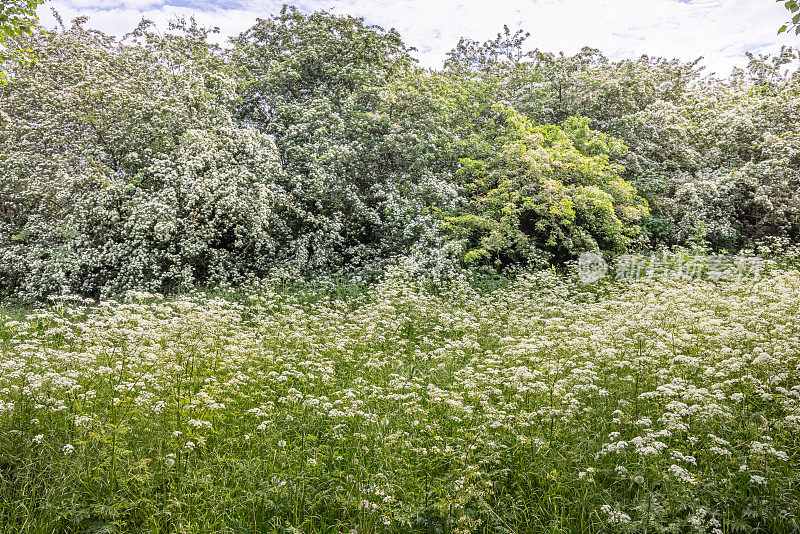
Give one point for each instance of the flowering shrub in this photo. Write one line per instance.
(724, 171)
(714, 156)
(107, 187)
(364, 154)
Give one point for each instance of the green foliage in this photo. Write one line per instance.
(17, 19)
(316, 148)
(121, 168)
(794, 22)
(703, 161)
(339, 98)
(693, 142)
(542, 193)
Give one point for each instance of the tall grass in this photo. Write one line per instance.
(540, 406)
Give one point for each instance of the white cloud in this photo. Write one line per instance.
(719, 30)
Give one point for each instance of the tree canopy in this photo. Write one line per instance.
(316, 147)
(17, 19)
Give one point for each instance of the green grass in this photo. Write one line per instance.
(15, 312)
(540, 406)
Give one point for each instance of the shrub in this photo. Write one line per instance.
(121, 168)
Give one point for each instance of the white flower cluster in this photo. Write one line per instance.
(634, 387)
(614, 517)
(682, 474)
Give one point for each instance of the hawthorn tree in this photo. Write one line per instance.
(337, 96)
(121, 167)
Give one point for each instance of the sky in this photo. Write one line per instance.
(719, 30)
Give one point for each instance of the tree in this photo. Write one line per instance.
(17, 18)
(121, 167)
(337, 95)
(506, 49)
(541, 194)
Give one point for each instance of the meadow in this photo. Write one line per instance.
(296, 280)
(542, 405)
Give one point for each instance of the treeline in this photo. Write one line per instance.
(315, 146)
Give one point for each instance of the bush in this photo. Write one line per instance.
(121, 168)
(544, 193)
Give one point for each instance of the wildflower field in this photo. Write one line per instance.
(659, 405)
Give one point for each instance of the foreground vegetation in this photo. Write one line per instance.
(657, 405)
